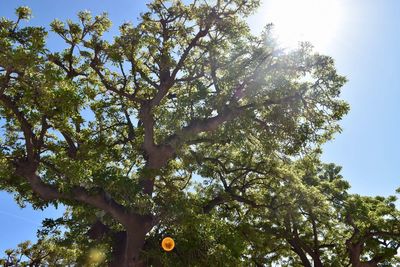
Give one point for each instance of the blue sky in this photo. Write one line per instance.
(366, 48)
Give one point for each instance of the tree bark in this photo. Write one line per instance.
(299, 251)
(126, 250)
(354, 251)
(128, 244)
(317, 262)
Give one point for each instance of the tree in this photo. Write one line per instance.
(374, 228)
(310, 213)
(117, 129)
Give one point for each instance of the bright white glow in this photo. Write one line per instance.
(315, 21)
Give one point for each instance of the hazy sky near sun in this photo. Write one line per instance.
(365, 44)
(363, 36)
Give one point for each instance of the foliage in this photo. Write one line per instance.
(46, 252)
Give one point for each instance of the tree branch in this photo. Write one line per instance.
(101, 199)
(25, 125)
(165, 86)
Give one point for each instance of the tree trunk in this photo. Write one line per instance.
(367, 264)
(354, 251)
(126, 250)
(128, 245)
(317, 262)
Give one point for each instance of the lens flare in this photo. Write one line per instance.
(316, 21)
(168, 244)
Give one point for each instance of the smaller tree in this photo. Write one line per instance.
(323, 225)
(298, 215)
(374, 227)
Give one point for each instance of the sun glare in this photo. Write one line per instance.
(316, 21)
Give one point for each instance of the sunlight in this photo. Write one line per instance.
(316, 21)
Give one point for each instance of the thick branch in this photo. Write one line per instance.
(218, 200)
(229, 113)
(163, 90)
(25, 125)
(6, 79)
(299, 251)
(100, 199)
(72, 149)
(203, 125)
(148, 124)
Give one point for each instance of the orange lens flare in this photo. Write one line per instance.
(168, 244)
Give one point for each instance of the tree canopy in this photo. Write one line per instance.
(183, 125)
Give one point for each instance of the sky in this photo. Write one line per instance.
(363, 36)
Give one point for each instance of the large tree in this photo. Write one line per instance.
(117, 130)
